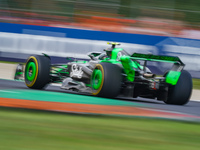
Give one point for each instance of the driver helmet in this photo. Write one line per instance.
(108, 52)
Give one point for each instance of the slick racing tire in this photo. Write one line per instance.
(180, 93)
(106, 80)
(37, 72)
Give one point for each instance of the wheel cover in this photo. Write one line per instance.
(31, 71)
(97, 79)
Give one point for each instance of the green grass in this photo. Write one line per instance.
(36, 130)
(196, 83)
(10, 62)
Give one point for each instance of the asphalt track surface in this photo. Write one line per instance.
(191, 108)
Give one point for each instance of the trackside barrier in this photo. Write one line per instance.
(19, 41)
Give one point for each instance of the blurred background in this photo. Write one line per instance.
(179, 18)
(62, 28)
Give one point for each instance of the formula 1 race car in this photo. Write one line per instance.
(111, 73)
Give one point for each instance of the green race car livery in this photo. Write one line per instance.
(111, 73)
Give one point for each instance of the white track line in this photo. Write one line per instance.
(8, 91)
(195, 100)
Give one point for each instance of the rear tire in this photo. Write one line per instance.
(37, 72)
(180, 93)
(106, 80)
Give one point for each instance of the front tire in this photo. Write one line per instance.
(106, 80)
(37, 72)
(180, 93)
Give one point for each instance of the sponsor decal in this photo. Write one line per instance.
(76, 71)
(156, 57)
(119, 55)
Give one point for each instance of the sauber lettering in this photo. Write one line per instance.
(76, 71)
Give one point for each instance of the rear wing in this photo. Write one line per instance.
(172, 75)
(150, 57)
